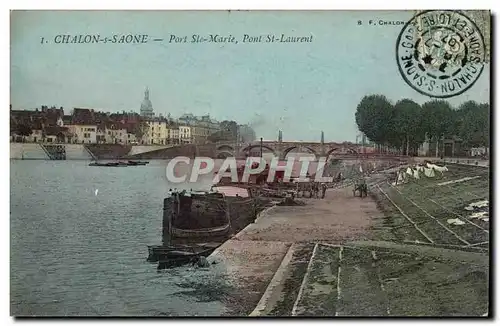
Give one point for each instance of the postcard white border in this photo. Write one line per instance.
(180, 5)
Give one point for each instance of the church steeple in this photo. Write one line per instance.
(146, 105)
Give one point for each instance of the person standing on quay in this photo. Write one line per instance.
(323, 190)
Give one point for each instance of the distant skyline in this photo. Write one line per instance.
(300, 88)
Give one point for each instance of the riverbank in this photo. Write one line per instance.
(47, 151)
(347, 256)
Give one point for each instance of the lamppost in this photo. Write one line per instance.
(442, 142)
(237, 146)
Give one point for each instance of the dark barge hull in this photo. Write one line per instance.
(194, 225)
(201, 218)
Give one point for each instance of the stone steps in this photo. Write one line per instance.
(78, 152)
(319, 290)
(279, 297)
(342, 281)
(27, 151)
(307, 284)
(369, 280)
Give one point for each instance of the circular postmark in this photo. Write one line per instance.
(440, 53)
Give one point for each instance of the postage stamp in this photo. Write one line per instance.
(440, 53)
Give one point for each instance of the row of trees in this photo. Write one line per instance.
(230, 131)
(406, 124)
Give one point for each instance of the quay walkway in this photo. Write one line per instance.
(326, 259)
(253, 256)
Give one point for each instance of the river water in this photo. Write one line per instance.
(78, 253)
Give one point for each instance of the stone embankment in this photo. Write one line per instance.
(351, 256)
(39, 151)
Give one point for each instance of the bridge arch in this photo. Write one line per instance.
(349, 150)
(330, 152)
(224, 155)
(249, 148)
(225, 148)
(289, 149)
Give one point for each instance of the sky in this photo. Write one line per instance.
(299, 88)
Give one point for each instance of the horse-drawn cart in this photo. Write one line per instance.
(361, 188)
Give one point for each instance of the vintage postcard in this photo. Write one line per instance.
(250, 163)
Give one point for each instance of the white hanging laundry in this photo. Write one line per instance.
(405, 177)
(400, 178)
(455, 221)
(416, 175)
(360, 169)
(479, 204)
(484, 216)
(409, 171)
(440, 169)
(429, 173)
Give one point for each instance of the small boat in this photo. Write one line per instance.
(173, 256)
(109, 164)
(121, 163)
(133, 163)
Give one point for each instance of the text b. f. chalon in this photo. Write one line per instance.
(440, 53)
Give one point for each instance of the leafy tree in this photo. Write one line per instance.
(140, 129)
(405, 125)
(220, 135)
(13, 125)
(438, 120)
(484, 124)
(247, 134)
(23, 130)
(408, 119)
(229, 126)
(375, 118)
(472, 124)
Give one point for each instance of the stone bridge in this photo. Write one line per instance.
(282, 149)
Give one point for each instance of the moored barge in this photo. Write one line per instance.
(195, 223)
